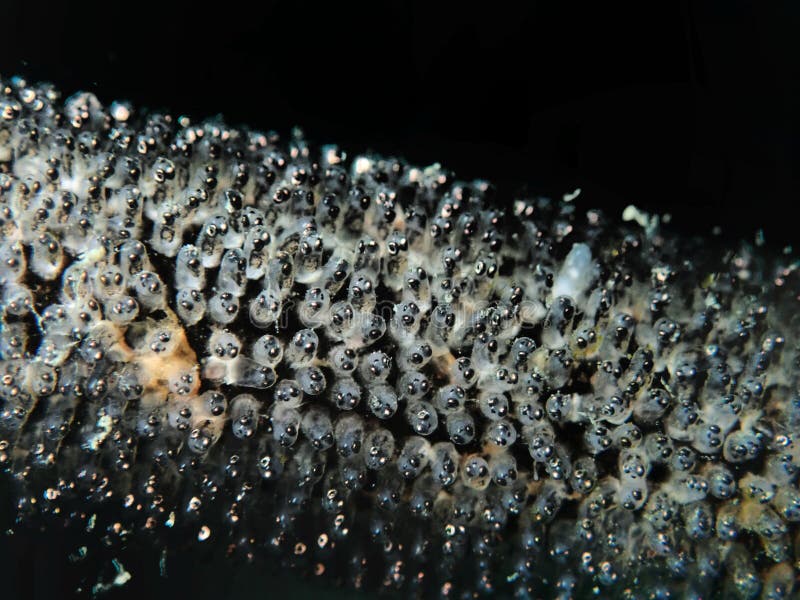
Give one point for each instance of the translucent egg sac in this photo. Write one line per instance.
(378, 374)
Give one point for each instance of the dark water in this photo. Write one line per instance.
(44, 565)
(686, 109)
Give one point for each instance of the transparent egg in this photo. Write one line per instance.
(349, 435)
(14, 341)
(265, 308)
(122, 310)
(285, 424)
(786, 503)
(190, 304)
(501, 433)
(223, 308)
(224, 345)
(47, 258)
(248, 373)
(288, 392)
(521, 351)
(475, 472)
(232, 277)
(527, 411)
(353, 474)
(336, 272)
(343, 360)
(311, 379)
(310, 252)
(361, 292)
(310, 465)
(133, 259)
(314, 310)
(741, 446)
(698, 519)
(244, 416)
(493, 406)
(382, 401)
(658, 448)
(558, 322)
(651, 405)
(627, 436)
(166, 238)
(417, 288)
(376, 367)
(318, 428)
(614, 409)
(541, 441)
(413, 385)
(17, 300)
(414, 356)
(584, 475)
(462, 373)
(256, 251)
(214, 403)
(444, 463)
(407, 318)
(451, 399)
(460, 427)
(110, 283)
(414, 457)
(270, 464)
(341, 321)
(371, 328)
(211, 241)
(707, 438)
(422, 417)
(267, 350)
(180, 415)
(184, 381)
(149, 290)
(345, 393)
(378, 449)
(302, 348)
(13, 261)
(503, 469)
(422, 496)
(560, 407)
(203, 437)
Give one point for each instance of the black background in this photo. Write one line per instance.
(689, 108)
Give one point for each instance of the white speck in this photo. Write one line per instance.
(631, 213)
(577, 273)
(121, 578)
(120, 112)
(104, 425)
(362, 165)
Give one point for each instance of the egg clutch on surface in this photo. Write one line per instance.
(381, 375)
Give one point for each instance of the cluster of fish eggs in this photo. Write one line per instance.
(377, 371)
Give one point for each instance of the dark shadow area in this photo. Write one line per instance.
(688, 109)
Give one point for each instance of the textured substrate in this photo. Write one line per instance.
(373, 373)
